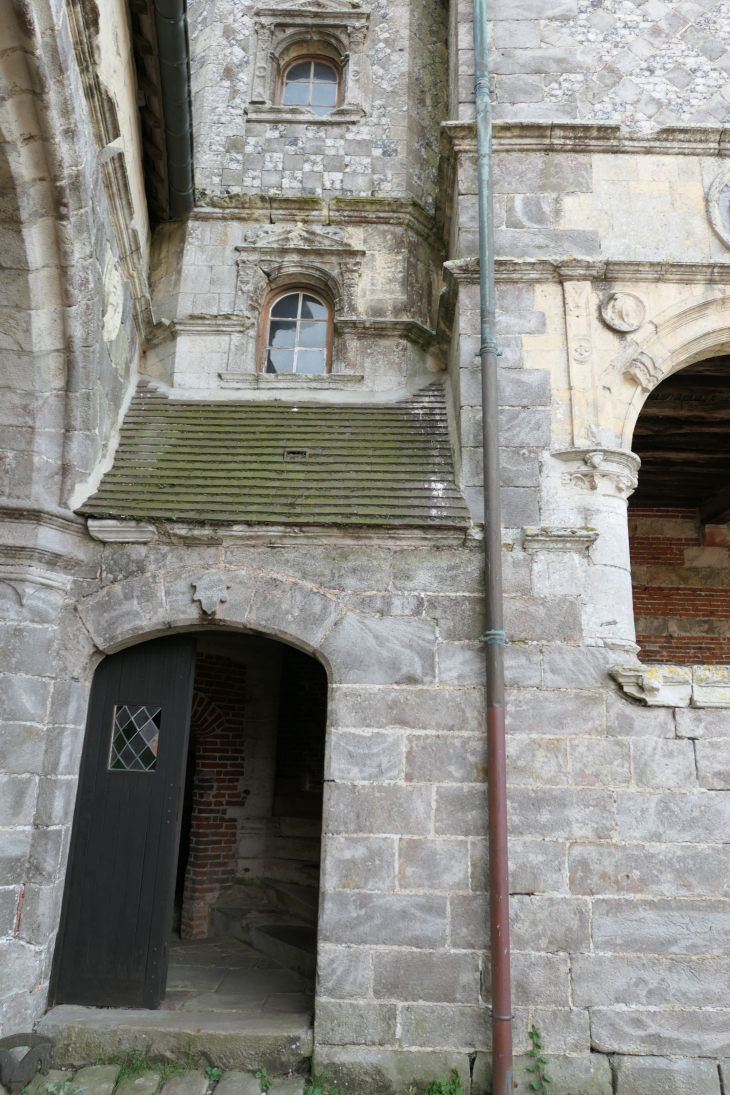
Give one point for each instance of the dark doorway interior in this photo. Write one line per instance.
(248, 873)
(678, 518)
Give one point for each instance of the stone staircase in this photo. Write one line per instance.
(285, 929)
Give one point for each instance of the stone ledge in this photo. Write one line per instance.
(231, 378)
(675, 685)
(510, 136)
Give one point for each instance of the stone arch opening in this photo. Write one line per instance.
(242, 926)
(679, 531)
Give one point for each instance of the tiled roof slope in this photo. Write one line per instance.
(284, 463)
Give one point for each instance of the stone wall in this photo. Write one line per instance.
(640, 65)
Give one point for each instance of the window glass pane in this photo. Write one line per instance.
(312, 333)
(282, 332)
(324, 72)
(310, 361)
(296, 94)
(135, 735)
(301, 72)
(324, 95)
(313, 309)
(280, 361)
(286, 307)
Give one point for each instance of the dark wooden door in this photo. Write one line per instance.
(115, 926)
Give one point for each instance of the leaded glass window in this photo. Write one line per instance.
(134, 738)
(297, 335)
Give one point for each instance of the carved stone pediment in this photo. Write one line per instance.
(306, 253)
(298, 7)
(297, 237)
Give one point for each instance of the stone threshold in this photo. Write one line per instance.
(281, 1043)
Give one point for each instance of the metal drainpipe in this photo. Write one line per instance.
(172, 44)
(494, 637)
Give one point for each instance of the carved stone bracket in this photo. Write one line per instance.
(644, 371)
(675, 685)
(555, 538)
(27, 580)
(113, 531)
(610, 471)
(210, 591)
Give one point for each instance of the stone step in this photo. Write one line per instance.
(299, 848)
(281, 937)
(247, 1041)
(302, 827)
(301, 902)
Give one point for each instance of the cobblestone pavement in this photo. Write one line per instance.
(104, 1080)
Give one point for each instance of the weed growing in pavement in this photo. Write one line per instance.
(212, 1075)
(264, 1080)
(440, 1086)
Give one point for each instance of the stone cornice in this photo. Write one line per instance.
(273, 209)
(605, 270)
(590, 138)
(556, 538)
(365, 327)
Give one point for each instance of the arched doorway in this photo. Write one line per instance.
(678, 518)
(193, 876)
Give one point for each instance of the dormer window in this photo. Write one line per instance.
(313, 83)
(298, 337)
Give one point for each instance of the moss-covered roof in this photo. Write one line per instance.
(283, 463)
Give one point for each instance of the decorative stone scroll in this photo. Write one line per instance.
(718, 205)
(340, 26)
(623, 312)
(610, 471)
(675, 685)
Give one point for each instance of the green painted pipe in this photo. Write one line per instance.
(494, 637)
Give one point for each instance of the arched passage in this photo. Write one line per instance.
(678, 517)
(236, 900)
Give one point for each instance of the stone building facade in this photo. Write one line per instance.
(612, 205)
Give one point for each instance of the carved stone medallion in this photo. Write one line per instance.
(623, 312)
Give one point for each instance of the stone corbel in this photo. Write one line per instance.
(554, 538)
(675, 685)
(644, 370)
(113, 531)
(27, 581)
(610, 471)
(656, 685)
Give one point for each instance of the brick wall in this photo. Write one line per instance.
(217, 738)
(681, 581)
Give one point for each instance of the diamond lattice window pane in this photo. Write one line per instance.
(134, 738)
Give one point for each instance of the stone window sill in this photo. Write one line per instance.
(342, 115)
(675, 685)
(275, 381)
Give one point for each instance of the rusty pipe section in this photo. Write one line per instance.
(493, 637)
